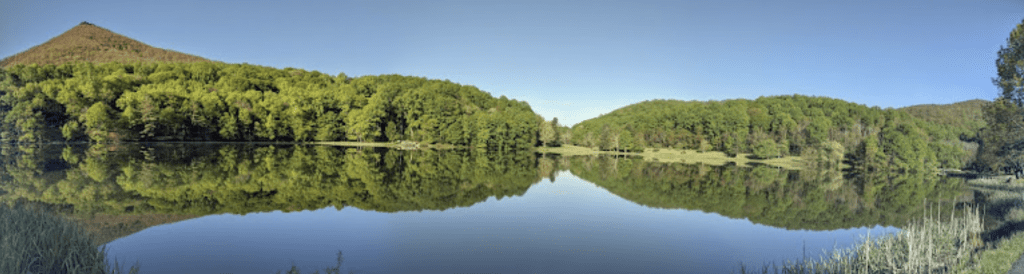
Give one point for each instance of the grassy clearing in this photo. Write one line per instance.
(34, 241)
(938, 243)
(715, 158)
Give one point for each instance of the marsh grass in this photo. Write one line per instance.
(35, 241)
(936, 243)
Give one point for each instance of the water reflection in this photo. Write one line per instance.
(807, 199)
(257, 208)
(197, 180)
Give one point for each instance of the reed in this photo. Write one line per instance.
(936, 243)
(34, 241)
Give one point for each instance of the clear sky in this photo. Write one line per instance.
(578, 59)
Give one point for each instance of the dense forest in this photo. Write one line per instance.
(870, 138)
(237, 102)
(90, 84)
(963, 118)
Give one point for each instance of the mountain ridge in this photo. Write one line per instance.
(87, 42)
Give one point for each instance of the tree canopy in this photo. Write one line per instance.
(780, 126)
(225, 102)
(1002, 142)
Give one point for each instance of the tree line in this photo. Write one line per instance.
(114, 102)
(868, 137)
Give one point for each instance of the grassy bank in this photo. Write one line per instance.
(987, 237)
(1003, 201)
(34, 241)
(715, 158)
(942, 242)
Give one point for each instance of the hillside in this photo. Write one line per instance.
(115, 102)
(963, 117)
(117, 94)
(869, 137)
(90, 43)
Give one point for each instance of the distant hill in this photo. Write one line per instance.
(964, 117)
(90, 43)
(790, 125)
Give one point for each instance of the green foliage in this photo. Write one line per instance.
(1010, 67)
(221, 102)
(793, 123)
(826, 155)
(37, 241)
(1002, 146)
(548, 135)
(765, 149)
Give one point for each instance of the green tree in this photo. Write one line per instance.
(766, 148)
(1003, 139)
(98, 122)
(1010, 67)
(547, 134)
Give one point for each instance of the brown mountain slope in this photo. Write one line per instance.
(90, 43)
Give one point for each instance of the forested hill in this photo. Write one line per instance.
(216, 101)
(90, 43)
(965, 117)
(92, 84)
(869, 137)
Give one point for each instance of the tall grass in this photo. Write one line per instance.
(933, 244)
(34, 241)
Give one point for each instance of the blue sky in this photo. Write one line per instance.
(578, 59)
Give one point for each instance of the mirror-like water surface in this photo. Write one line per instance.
(260, 209)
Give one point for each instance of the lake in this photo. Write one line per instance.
(228, 208)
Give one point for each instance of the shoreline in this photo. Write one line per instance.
(688, 156)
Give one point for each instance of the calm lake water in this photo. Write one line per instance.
(215, 208)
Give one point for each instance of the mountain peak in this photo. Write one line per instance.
(87, 42)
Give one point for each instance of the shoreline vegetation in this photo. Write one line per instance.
(986, 237)
(939, 242)
(985, 240)
(687, 156)
(979, 238)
